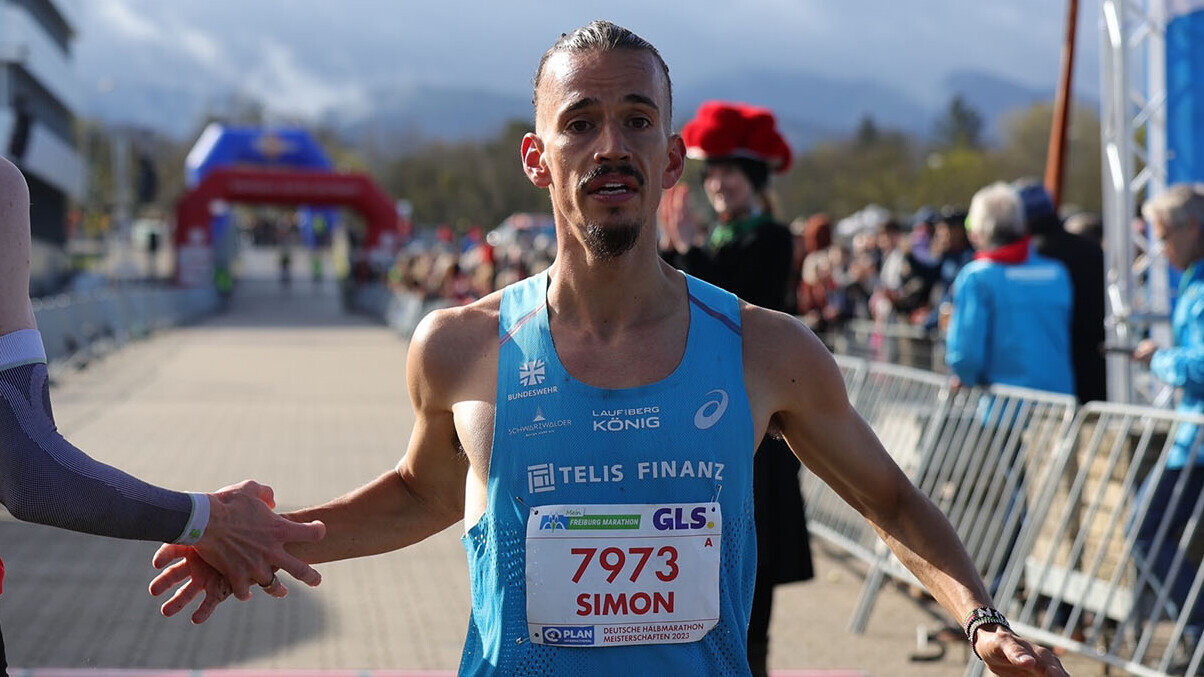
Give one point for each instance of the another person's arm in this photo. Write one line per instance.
(45, 479)
(806, 397)
(683, 238)
(1182, 365)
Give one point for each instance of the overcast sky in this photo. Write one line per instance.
(304, 56)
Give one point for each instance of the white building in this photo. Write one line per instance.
(39, 94)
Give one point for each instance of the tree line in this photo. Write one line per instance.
(479, 183)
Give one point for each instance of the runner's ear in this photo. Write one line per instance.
(533, 164)
(677, 162)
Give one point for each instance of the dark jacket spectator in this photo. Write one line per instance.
(750, 254)
(1084, 260)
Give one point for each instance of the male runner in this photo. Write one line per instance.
(44, 479)
(594, 426)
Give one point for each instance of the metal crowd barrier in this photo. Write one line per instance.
(81, 326)
(897, 403)
(1046, 498)
(952, 444)
(992, 454)
(1085, 587)
(853, 370)
(890, 342)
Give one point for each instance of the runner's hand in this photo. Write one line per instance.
(198, 577)
(1008, 655)
(245, 539)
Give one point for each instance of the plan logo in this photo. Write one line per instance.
(712, 410)
(541, 478)
(568, 635)
(532, 373)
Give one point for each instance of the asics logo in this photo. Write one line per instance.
(712, 410)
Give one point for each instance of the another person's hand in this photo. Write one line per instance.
(245, 540)
(677, 220)
(1007, 654)
(1144, 352)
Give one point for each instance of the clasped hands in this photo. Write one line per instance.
(243, 546)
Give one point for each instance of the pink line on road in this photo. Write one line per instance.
(143, 672)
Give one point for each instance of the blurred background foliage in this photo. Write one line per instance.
(469, 183)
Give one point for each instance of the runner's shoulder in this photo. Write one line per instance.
(780, 349)
(452, 341)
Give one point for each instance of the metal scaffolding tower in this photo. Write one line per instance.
(1133, 130)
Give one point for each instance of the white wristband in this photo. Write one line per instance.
(20, 348)
(195, 529)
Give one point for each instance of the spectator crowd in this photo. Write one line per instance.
(869, 266)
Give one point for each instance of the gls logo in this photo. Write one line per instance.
(532, 373)
(676, 519)
(712, 410)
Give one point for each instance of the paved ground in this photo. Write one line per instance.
(286, 389)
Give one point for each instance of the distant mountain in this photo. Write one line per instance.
(172, 111)
(991, 94)
(403, 117)
(810, 107)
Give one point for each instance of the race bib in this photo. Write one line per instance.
(613, 575)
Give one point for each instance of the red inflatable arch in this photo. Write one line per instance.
(273, 186)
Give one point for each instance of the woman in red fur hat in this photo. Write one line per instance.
(749, 253)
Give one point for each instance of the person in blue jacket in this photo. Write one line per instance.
(1177, 218)
(1010, 325)
(1011, 306)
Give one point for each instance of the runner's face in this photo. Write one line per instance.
(602, 146)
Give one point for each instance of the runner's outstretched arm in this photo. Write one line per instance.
(806, 398)
(421, 496)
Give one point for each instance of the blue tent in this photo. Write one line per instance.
(284, 147)
(1185, 90)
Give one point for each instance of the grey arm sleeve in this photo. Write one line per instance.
(44, 479)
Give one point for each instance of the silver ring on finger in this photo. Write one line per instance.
(270, 583)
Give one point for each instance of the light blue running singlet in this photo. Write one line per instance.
(619, 534)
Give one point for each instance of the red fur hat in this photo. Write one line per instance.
(736, 130)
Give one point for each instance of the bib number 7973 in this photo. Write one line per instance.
(613, 560)
(623, 574)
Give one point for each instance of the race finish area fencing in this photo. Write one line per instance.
(81, 326)
(1045, 495)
